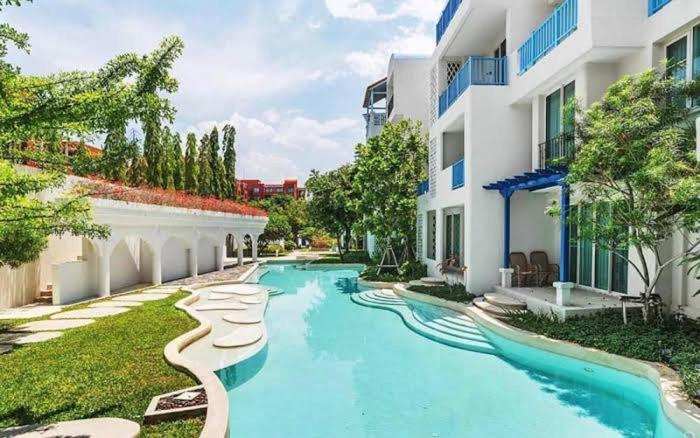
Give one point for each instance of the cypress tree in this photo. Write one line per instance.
(153, 152)
(230, 162)
(191, 165)
(115, 158)
(215, 163)
(167, 163)
(203, 161)
(179, 164)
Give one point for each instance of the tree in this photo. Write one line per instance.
(333, 202)
(389, 167)
(40, 113)
(167, 163)
(178, 163)
(277, 228)
(636, 169)
(203, 163)
(153, 152)
(191, 165)
(217, 170)
(229, 184)
(116, 155)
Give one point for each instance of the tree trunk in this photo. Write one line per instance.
(340, 249)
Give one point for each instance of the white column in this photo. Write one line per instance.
(220, 254)
(193, 262)
(103, 274)
(239, 248)
(157, 274)
(506, 277)
(254, 239)
(563, 293)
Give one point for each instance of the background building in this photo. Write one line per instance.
(255, 190)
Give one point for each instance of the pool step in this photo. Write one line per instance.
(440, 325)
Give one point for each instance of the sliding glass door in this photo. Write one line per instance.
(453, 237)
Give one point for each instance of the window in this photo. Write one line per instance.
(453, 238)
(683, 59)
(431, 236)
(559, 113)
(500, 52)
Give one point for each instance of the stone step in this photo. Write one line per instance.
(467, 328)
(433, 280)
(390, 301)
(496, 311)
(379, 301)
(504, 301)
(43, 300)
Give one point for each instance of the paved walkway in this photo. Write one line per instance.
(226, 275)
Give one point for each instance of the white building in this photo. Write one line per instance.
(403, 94)
(500, 75)
(148, 245)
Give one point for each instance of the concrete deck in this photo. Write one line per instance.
(544, 300)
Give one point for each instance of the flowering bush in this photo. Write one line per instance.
(170, 198)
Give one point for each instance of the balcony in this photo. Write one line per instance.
(458, 175)
(375, 123)
(476, 71)
(423, 188)
(447, 15)
(559, 25)
(656, 5)
(558, 152)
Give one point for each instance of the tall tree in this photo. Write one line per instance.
(215, 163)
(167, 163)
(179, 163)
(333, 202)
(114, 162)
(637, 170)
(191, 165)
(203, 163)
(389, 167)
(153, 152)
(229, 162)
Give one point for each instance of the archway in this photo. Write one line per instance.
(131, 263)
(175, 264)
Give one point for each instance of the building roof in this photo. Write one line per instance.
(379, 86)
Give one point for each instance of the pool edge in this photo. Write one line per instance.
(677, 408)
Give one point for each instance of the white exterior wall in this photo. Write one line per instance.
(613, 38)
(175, 259)
(409, 79)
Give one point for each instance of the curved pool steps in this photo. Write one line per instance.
(273, 291)
(463, 337)
(501, 300)
(496, 311)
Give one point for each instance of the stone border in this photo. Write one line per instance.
(216, 422)
(674, 402)
(376, 284)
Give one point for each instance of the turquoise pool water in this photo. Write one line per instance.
(335, 369)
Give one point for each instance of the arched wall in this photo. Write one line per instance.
(131, 263)
(175, 264)
(206, 256)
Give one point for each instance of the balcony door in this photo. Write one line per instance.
(453, 237)
(559, 123)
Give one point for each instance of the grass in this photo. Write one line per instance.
(455, 292)
(605, 331)
(409, 271)
(112, 367)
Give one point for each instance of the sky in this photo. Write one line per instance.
(290, 75)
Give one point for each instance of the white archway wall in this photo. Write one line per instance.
(206, 255)
(175, 263)
(130, 263)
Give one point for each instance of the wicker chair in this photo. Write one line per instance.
(524, 273)
(547, 273)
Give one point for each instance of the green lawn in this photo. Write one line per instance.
(112, 367)
(605, 331)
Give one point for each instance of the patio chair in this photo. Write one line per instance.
(547, 273)
(524, 273)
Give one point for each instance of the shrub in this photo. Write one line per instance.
(414, 270)
(454, 292)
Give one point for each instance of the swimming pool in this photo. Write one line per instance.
(333, 368)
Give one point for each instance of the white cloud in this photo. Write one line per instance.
(373, 63)
(278, 145)
(362, 10)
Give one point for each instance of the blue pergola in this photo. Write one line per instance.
(531, 181)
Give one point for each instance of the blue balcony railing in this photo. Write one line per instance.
(447, 15)
(477, 70)
(559, 25)
(656, 5)
(423, 188)
(458, 175)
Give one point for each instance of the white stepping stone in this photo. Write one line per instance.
(218, 297)
(165, 290)
(141, 297)
(241, 337)
(5, 349)
(100, 312)
(28, 338)
(116, 304)
(221, 306)
(239, 289)
(243, 318)
(250, 300)
(94, 427)
(29, 312)
(432, 280)
(52, 325)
